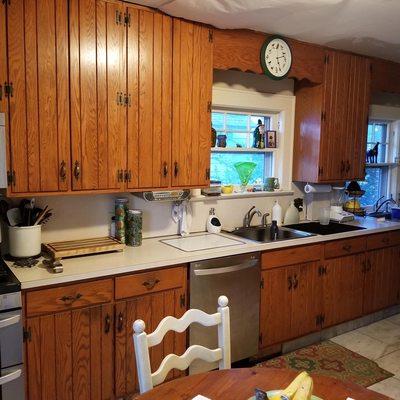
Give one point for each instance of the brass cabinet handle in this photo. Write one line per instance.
(71, 299)
(120, 175)
(176, 169)
(165, 169)
(120, 322)
(150, 283)
(290, 283)
(296, 282)
(128, 175)
(63, 170)
(77, 170)
(107, 324)
(346, 247)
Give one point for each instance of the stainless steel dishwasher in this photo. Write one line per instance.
(238, 278)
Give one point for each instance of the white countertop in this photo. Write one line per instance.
(153, 254)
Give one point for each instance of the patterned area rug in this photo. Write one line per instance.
(330, 359)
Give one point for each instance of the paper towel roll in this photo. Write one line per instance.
(317, 188)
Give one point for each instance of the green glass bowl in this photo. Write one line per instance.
(245, 169)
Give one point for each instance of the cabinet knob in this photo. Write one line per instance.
(77, 170)
(176, 169)
(290, 283)
(63, 170)
(120, 322)
(165, 169)
(107, 324)
(296, 282)
(346, 247)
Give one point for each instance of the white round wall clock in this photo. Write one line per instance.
(276, 57)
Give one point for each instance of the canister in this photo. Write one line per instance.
(121, 208)
(134, 224)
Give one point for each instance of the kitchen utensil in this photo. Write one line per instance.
(14, 216)
(25, 241)
(46, 218)
(244, 169)
(40, 217)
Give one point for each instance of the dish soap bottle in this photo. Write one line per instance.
(277, 213)
(213, 222)
(292, 215)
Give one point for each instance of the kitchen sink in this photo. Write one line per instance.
(262, 234)
(330, 229)
(379, 214)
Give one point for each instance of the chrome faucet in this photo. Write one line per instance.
(386, 202)
(264, 219)
(249, 216)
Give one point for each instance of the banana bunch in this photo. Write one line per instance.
(300, 389)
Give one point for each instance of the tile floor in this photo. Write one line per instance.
(380, 342)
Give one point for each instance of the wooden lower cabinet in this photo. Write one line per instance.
(382, 279)
(69, 355)
(290, 302)
(151, 309)
(343, 281)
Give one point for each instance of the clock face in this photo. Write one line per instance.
(276, 58)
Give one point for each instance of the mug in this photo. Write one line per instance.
(271, 184)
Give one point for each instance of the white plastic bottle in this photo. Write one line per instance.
(292, 215)
(277, 213)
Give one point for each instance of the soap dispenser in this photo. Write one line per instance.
(213, 222)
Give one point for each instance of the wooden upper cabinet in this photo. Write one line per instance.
(98, 94)
(331, 121)
(39, 124)
(3, 61)
(192, 90)
(149, 87)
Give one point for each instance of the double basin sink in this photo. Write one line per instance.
(295, 231)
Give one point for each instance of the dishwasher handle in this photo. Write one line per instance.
(15, 319)
(11, 376)
(226, 270)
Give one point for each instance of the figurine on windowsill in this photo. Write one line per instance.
(372, 154)
(259, 136)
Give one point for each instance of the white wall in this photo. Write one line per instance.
(89, 216)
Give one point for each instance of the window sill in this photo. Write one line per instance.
(241, 150)
(378, 165)
(242, 195)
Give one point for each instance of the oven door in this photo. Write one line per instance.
(12, 383)
(11, 338)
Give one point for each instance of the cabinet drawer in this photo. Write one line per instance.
(149, 282)
(381, 240)
(345, 247)
(291, 256)
(395, 238)
(68, 297)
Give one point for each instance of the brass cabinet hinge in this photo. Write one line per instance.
(323, 116)
(207, 174)
(209, 106)
(128, 175)
(182, 300)
(127, 19)
(6, 2)
(322, 270)
(262, 283)
(210, 35)
(27, 334)
(320, 171)
(127, 100)
(11, 178)
(1, 92)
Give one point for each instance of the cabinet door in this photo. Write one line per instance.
(151, 309)
(70, 355)
(343, 289)
(306, 299)
(358, 99)
(39, 103)
(149, 55)
(380, 279)
(98, 94)
(394, 284)
(275, 306)
(334, 132)
(191, 122)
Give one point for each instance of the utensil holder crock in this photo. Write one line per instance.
(25, 241)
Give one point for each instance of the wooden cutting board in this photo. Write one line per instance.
(81, 247)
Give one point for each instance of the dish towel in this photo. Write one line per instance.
(182, 215)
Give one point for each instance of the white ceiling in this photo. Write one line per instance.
(370, 27)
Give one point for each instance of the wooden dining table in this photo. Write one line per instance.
(239, 384)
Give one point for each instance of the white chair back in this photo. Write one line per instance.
(143, 341)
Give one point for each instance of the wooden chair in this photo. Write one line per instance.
(143, 342)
